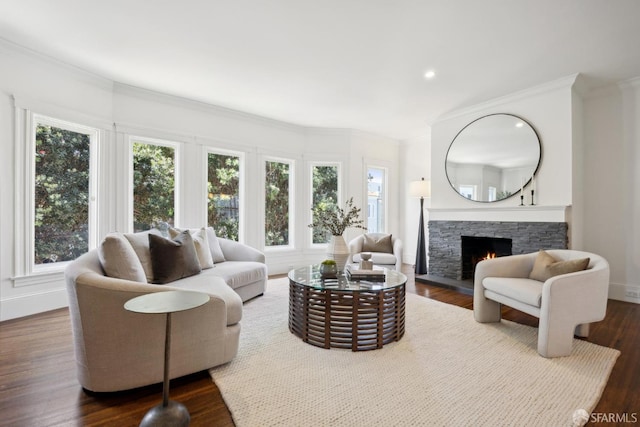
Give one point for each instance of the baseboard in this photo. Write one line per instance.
(622, 292)
(26, 305)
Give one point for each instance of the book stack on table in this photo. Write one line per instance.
(354, 273)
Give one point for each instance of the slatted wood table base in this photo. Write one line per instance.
(359, 320)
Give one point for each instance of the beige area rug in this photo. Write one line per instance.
(447, 370)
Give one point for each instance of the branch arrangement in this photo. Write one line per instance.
(335, 219)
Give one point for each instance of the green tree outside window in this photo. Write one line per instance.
(276, 204)
(223, 194)
(61, 227)
(153, 185)
(324, 194)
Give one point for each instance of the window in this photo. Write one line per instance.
(324, 191)
(492, 193)
(376, 199)
(154, 183)
(278, 191)
(223, 194)
(468, 191)
(63, 215)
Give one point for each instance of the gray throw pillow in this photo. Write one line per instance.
(201, 242)
(173, 259)
(377, 243)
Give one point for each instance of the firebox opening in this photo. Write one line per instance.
(475, 249)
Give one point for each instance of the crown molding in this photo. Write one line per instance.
(562, 83)
(15, 49)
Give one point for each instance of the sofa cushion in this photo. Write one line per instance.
(140, 243)
(381, 243)
(216, 287)
(240, 273)
(201, 242)
(378, 258)
(119, 260)
(546, 266)
(173, 259)
(214, 245)
(527, 291)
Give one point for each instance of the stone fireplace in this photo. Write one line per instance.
(445, 242)
(475, 249)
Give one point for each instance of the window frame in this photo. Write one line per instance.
(33, 120)
(385, 192)
(241, 185)
(339, 200)
(177, 146)
(292, 196)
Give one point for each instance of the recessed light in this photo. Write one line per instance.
(429, 74)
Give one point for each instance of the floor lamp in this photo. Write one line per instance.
(421, 189)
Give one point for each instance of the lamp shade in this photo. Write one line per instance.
(421, 189)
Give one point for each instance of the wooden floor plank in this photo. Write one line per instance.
(38, 385)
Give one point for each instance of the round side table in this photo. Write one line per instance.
(169, 413)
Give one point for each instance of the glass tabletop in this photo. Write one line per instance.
(310, 276)
(166, 302)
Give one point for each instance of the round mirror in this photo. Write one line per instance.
(493, 158)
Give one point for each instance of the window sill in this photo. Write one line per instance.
(39, 278)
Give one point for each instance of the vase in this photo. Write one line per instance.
(338, 251)
(328, 271)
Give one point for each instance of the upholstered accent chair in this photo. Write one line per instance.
(385, 249)
(539, 284)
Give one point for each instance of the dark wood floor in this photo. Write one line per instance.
(38, 386)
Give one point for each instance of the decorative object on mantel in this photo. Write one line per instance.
(501, 143)
(420, 189)
(336, 220)
(533, 188)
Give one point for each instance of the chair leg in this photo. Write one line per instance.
(486, 310)
(582, 330)
(555, 340)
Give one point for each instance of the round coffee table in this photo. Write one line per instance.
(344, 313)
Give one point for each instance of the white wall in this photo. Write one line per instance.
(612, 183)
(590, 163)
(548, 109)
(415, 164)
(51, 88)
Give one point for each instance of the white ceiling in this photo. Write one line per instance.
(335, 63)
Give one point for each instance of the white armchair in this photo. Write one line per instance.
(565, 304)
(385, 249)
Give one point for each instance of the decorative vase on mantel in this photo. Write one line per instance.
(338, 251)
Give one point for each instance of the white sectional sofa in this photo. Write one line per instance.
(117, 350)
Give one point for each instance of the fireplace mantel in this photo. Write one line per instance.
(509, 213)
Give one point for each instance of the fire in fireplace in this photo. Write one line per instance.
(475, 249)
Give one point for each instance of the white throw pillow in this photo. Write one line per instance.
(119, 260)
(214, 245)
(201, 242)
(140, 243)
